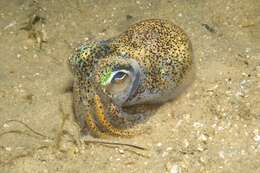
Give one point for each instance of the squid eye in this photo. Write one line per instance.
(116, 77)
(119, 76)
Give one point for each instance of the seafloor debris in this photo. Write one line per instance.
(35, 25)
(208, 28)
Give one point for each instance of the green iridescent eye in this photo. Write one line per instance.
(105, 77)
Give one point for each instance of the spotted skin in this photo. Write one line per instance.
(161, 52)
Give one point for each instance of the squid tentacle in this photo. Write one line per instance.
(92, 126)
(103, 118)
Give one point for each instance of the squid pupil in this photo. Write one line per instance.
(119, 76)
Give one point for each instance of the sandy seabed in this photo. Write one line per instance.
(212, 127)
